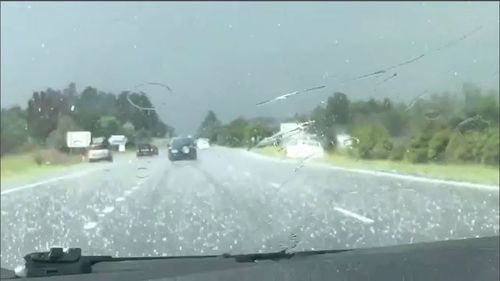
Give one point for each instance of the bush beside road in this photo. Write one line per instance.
(33, 138)
(459, 129)
(451, 135)
(467, 172)
(50, 114)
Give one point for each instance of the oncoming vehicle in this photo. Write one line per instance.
(99, 150)
(182, 148)
(146, 149)
(202, 143)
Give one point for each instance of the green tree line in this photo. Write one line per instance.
(240, 132)
(51, 113)
(444, 127)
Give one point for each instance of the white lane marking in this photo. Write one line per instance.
(417, 178)
(383, 174)
(120, 199)
(354, 215)
(52, 180)
(274, 184)
(31, 229)
(108, 209)
(127, 192)
(90, 225)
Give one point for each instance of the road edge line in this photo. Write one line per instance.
(51, 180)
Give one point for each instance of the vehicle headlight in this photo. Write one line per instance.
(174, 151)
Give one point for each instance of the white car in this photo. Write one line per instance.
(304, 148)
(202, 143)
(99, 152)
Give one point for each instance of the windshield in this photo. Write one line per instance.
(331, 125)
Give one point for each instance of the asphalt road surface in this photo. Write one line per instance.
(233, 201)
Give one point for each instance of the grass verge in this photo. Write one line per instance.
(25, 165)
(270, 151)
(466, 172)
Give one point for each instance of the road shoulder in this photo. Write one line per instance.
(59, 173)
(320, 163)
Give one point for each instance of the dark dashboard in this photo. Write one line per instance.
(457, 260)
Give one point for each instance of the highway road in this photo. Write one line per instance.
(234, 201)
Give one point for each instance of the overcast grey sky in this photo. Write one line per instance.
(227, 56)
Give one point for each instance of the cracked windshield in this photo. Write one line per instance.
(168, 129)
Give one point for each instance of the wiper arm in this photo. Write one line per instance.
(59, 262)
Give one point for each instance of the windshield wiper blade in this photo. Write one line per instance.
(281, 255)
(60, 262)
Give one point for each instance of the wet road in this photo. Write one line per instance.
(233, 201)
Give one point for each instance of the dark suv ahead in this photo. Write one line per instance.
(146, 149)
(182, 148)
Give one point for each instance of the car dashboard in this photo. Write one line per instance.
(457, 260)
